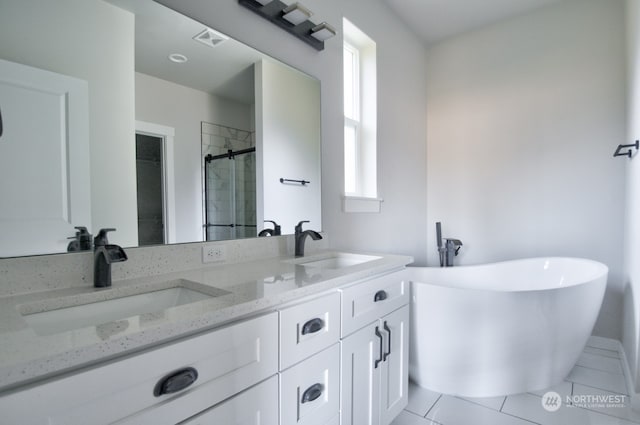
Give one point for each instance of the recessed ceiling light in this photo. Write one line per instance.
(178, 58)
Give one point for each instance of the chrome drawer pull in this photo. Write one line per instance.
(380, 296)
(312, 326)
(176, 381)
(312, 393)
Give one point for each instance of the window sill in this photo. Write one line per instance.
(358, 204)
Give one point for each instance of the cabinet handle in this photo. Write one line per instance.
(0, 123)
(312, 393)
(386, 328)
(176, 381)
(380, 296)
(379, 335)
(312, 326)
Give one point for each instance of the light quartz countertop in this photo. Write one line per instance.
(241, 290)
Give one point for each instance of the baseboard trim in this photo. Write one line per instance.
(634, 398)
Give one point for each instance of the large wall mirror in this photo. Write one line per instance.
(126, 114)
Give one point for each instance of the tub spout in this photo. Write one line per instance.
(452, 247)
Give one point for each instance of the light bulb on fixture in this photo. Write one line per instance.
(296, 13)
(323, 31)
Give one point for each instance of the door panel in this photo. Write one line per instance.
(394, 380)
(44, 159)
(360, 378)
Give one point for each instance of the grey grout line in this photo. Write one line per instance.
(601, 370)
(503, 403)
(423, 417)
(606, 414)
(598, 388)
(614, 355)
(594, 346)
(573, 386)
(476, 403)
(518, 417)
(432, 406)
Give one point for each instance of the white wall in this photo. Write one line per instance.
(105, 59)
(523, 118)
(287, 146)
(169, 104)
(401, 226)
(631, 322)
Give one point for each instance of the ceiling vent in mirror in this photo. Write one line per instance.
(210, 38)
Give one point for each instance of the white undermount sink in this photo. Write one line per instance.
(102, 307)
(339, 260)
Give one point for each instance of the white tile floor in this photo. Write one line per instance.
(598, 372)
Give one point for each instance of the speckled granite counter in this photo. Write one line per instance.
(241, 290)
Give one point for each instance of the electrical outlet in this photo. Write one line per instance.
(214, 253)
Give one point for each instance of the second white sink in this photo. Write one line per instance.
(339, 260)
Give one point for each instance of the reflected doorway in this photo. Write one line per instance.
(155, 184)
(149, 166)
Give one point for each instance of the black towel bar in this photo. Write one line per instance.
(302, 182)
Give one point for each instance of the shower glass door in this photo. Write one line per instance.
(230, 195)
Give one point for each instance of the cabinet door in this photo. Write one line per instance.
(308, 328)
(368, 301)
(360, 377)
(394, 380)
(256, 406)
(227, 360)
(310, 390)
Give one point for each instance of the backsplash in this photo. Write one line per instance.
(47, 272)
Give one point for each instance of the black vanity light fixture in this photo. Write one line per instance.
(294, 19)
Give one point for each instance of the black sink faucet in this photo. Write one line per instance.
(302, 235)
(104, 255)
(276, 231)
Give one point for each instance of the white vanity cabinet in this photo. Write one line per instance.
(375, 357)
(310, 362)
(255, 406)
(130, 391)
(337, 358)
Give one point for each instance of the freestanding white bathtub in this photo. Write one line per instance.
(502, 328)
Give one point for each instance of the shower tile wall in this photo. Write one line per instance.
(218, 139)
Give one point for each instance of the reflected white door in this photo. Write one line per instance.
(44, 160)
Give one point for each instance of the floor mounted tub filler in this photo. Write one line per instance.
(502, 328)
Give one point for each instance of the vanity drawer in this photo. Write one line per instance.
(367, 301)
(227, 361)
(256, 406)
(310, 391)
(308, 328)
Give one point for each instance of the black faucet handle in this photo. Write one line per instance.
(299, 225)
(101, 239)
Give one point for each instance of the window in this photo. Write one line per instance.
(351, 119)
(360, 110)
